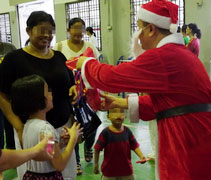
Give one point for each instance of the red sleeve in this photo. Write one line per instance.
(133, 142)
(146, 111)
(145, 74)
(101, 142)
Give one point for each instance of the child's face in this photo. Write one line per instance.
(116, 116)
(49, 98)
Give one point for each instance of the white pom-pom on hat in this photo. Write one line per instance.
(173, 28)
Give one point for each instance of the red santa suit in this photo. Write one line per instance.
(172, 76)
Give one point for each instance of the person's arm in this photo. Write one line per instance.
(110, 102)
(144, 74)
(60, 160)
(139, 153)
(15, 121)
(99, 146)
(96, 160)
(13, 158)
(134, 145)
(140, 107)
(73, 94)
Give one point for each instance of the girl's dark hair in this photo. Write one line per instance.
(195, 30)
(184, 27)
(37, 17)
(90, 29)
(75, 20)
(27, 95)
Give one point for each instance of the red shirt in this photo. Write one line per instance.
(194, 46)
(117, 152)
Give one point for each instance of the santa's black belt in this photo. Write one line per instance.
(181, 110)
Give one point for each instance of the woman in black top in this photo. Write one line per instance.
(38, 58)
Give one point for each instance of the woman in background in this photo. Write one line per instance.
(195, 34)
(74, 47)
(92, 35)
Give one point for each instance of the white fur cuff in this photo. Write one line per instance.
(133, 107)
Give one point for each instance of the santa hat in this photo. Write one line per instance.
(162, 13)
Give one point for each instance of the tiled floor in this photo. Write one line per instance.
(141, 171)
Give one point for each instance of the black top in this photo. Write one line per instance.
(19, 63)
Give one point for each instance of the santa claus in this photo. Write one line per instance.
(178, 88)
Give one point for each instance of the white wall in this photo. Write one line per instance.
(5, 7)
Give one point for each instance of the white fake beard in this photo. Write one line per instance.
(136, 45)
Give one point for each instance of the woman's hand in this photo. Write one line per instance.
(110, 102)
(73, 94)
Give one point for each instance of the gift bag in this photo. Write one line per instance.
(92, 95)
(86, 117)
(84, 114)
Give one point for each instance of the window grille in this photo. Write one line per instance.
(135, 4)
(89, 11)
(5, 31)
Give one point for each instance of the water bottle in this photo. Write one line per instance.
(46, 132)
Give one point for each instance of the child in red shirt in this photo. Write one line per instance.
(117, 141)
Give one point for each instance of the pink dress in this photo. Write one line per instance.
(194, 46)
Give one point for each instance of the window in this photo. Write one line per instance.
(5, 31)
(25, 9)
(135, 4)
(89, 11)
